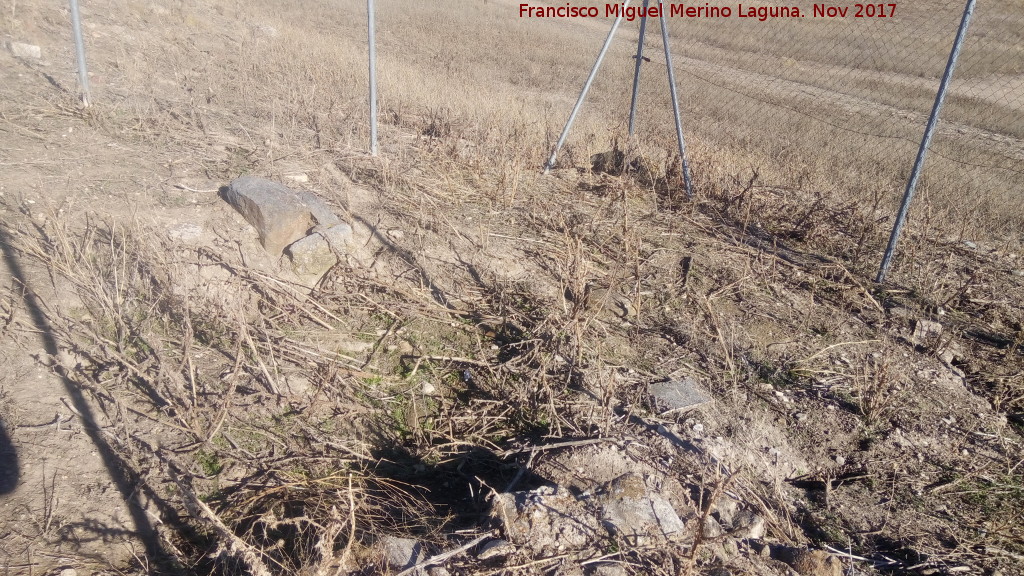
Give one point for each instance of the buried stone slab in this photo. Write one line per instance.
(311, 257)
(280, 215)
(631, 510)
(677, 395)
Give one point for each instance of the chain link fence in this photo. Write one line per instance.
(841, 103)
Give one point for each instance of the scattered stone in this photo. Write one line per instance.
(187, 232)
(712, 529)
(69, 572)
(725, 510)
(730, 549)
(403, 553)
(609, 570)
(537, 519)
(427, 388)
(970, 245)
(280, 215)
(1017, 272)
(496, 548)
(811, 562)
(677, 395)
(749, 525)
(926, 332)
(264, 30)
(28, 51)
(297, 384)
(720, 571)
(300, 177)
(638, 515)
(438, 571)
(800, 416)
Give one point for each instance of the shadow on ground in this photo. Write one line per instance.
(117, 469)
(9, 471)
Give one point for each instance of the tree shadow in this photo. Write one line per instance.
(9, 470)
(119, 470)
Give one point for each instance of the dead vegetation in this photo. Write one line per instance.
(496, 320)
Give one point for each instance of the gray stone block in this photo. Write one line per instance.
(677, 395)
(403, 553)
(311, 257)
(280, 215)
(27, 51)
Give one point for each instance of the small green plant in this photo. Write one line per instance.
(209, 462)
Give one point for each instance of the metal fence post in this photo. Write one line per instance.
(922, 152)
(83, 73)
(373, 76)
(586, 88)
(636, 71)
(675, 103)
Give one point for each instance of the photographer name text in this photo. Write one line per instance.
(760, 12)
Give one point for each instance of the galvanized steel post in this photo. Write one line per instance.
(636, 71)
(922, 152)
(675, 103)
(83, 73)
(586, 87)
(373, 76)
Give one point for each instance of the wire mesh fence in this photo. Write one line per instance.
(840, 103)
(828, 99)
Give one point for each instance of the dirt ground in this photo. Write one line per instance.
(173, 402)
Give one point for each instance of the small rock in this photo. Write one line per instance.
(970, 245)
(300, 177)
(926, 332)
(297, 384)
(677, 395)
(712, 529)
(609, 570)
(69, 572)
(402, 553)
(427, 388)
(840, 460)
(725, 510)
(438, 571)
(1017, 272)
(496, 548)
(264, 30)
(749, 525)
(800, 416)
(28, 51)
(187, 232)
(811, 562)
(720, 571)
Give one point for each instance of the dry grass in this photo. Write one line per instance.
(283, 454)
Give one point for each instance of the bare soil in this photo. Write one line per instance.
(174, 403)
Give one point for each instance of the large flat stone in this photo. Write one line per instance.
(677, 395)
(280, 215)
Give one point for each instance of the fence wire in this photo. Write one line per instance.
(854, 95)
